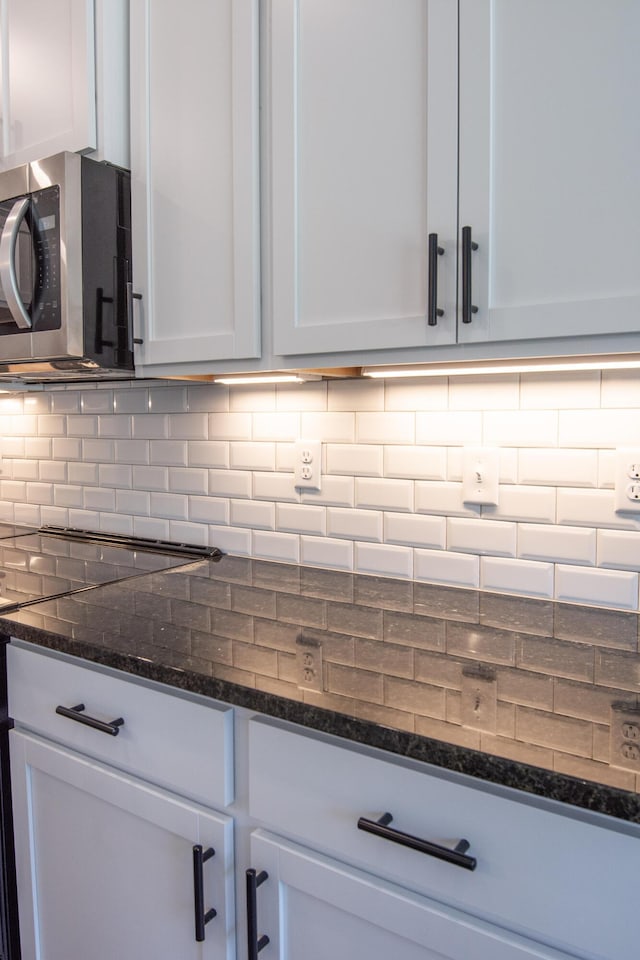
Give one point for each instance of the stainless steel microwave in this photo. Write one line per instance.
(65, 271)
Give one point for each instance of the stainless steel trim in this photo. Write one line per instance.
(8, 277)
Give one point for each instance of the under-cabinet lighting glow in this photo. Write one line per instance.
(268, 378)
(520, 366)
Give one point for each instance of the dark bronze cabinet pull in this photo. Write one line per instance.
(254, 943)
(434, 252)
(200, 857)
(381, 828)
(76, 713)
(468, 245)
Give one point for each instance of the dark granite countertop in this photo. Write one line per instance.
(531, 694)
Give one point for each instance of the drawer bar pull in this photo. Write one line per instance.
(254, 943)
(76, 713)
(200, 857)
(468, 245)
(457, 855)
(435, 251)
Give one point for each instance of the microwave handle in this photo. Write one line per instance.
(8, 277)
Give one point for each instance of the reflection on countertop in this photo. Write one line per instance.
(533, 694)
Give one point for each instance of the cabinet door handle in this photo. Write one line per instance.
(200, 857)
(434, 252)
(76, 713)
(382, 829)
(468, 245)
(254, 943)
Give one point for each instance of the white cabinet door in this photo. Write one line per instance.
(48, 78)
(313, 907)
(549, 147)
(105, 863)
(194, 158)
(362, 111)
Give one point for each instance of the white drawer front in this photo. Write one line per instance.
(547, 875)
(172, 741)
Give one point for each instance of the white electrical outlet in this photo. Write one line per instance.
(480, 473)
(627, 491)
(307, 469)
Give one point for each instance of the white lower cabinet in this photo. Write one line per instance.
(105, 863)
(318, 908)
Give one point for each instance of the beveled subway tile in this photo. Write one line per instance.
(525, 688)
(385, 715)
(354, 619)
(276, 635)
(449, 603)
(531, 754)
(383, 559)
(481, 643)
(521, 614)
(617, 668)
(249, 600)
(585, 701)
(585, 769)
(208, 646)
(328, 585)
(424, 632)
(336, 647)
(439, 670)
(574, 661)
(258, 660)
(382, 592)
(419, 698)
(449, 732)
(236, 626)
(605, 628)
(387, 658)
(554, 731)
(306, 611)
(354, 683)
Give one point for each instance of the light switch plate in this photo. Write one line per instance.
(480, 474)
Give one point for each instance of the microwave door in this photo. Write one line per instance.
(16, 263)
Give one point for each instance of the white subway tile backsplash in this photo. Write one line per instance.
(431, 394)
(83, 473)
(188, 480)
(383, 560)
(444, 566)
(481, 537)
(608, 588)
(558, 544)
(415, 462)
(349, 395)
(204, 464)
(276, 546)
(274, 486)
(229, 483)
(484, 393)
(520, 428)
(619, 549)
(443, 498)
(256, 514)
(449, 428)
(362, 460)
(301, 518)
(519, 502)
(374, 494)
(252, 456)
(573, 468)
(229, 426)
(597, 428)
(335, 492)
(563, 390)
(392, 427)
(189, 426)
(208, 453)
(525, 577)
(171, 453)
(207, 510)
(354, 524)
(98, 450)
(415, 531)
(326, 552)
(592, 508)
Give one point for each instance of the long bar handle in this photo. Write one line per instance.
(468, 245)
(8, 277)
(76, 713)
(456, 855)
(131, 296)
(434, 252)
(255, 943)
(200, 857)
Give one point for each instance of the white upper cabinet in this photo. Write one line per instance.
(361, 164)
(58, 58)
(549, 147)
(195, 176)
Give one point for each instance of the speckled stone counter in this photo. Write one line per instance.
(531, 694)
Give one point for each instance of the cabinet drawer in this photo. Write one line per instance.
(176, 742)
(543, 870)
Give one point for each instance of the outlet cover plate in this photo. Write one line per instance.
(307, 464)
(627, 488)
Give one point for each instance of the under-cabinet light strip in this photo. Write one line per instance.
(534, 366)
